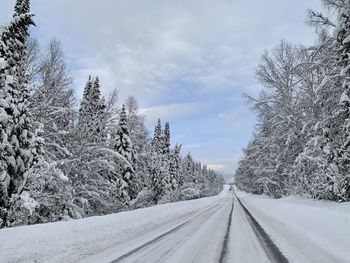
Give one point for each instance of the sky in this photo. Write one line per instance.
(186, 61)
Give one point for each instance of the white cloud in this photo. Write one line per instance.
(143, 45)
(175, 111)
(172, 54)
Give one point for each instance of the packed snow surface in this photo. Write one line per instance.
(190, 231)
(105, 238)
(304, 230)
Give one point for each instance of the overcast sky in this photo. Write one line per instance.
(186, 61)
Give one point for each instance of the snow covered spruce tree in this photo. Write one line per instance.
(197, 180)
(175, 167)
(314, 168)
(168, 158)
(91, 113)
(342, 33)
(90, 165)
(19, 143)
(322, 169)
(246, 176)
(166, 138)
(159, 173)
(189, 171)
(190, 188)
(98, 133)
(175, 178)
(51, 105)
(127, 184)
(84, 104)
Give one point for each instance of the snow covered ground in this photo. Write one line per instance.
(201, 230)
(201, 225)
(304, 230)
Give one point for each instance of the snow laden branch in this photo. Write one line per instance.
(302, 139)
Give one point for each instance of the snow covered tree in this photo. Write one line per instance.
(99, 107)
(324, 163)
(166, 138)
(136, 125)
(314, 166)
(302, 140)
(188, 167)
(71, 163)
(92, 167)
(280, 120)
(127, 184)
(175, 167)
(19, 144)
(158, 169)
(342, 33)
(51, 105)
(111, 113)
(197, 180)
(85, 100)
(167, 158)
(52, 101)
(92, 113)
(157, 182)
(34, 60)
(140, 141)
(22, 7)
(157, 141)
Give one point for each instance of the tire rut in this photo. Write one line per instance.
(170, 251)
(158, 238)
(270, 248)
(227, 237)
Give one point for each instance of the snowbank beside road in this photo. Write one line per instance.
(78, 239)
(304, 230)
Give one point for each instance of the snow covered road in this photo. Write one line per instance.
(189, 231)
(251, 229)
(304, 230)
(198, 239)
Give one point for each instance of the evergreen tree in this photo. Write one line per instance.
(305, 151)
(166, 138)
(19, 143)
(51, 104)
(157, 142)
(85, 101)
(175, 168)
(91, 123)
(127, 184)
(168, 167)
(99, 107)
(22, 7)
(83, 122)
(87, 165)
(342, 33)
(92, 167)
(158, 170)
(189, 170)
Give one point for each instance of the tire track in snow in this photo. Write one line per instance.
(172, 250)
(227, 237)
(158, 238)
(271, 250)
